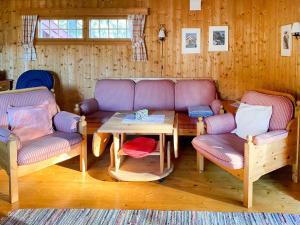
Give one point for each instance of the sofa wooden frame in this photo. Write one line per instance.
(8, 155)
(263, 159)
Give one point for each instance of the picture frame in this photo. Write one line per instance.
(286, 40)
(195, 5)
(218, 39)
(191, 40)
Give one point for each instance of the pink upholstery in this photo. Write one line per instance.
(66, 122)
(30, 122)
(89, 106)
(4, 134)
(216, 106)
(270, 137)
(227, 149)
(46, 147)
(220, 124)
(115, 95)
(194, 93)
(154, 95)
(140, 147)
(99, 117)
(25, 99)
(282, 108)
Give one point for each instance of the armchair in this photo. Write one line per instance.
(250, 159)
(68, 139)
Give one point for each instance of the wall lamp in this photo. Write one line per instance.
(296, 30)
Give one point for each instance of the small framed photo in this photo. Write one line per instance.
(195, 5)
(218, 39)
(286, 40)
(191, 39)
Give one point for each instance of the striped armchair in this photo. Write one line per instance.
(66, 139)
(250, 159)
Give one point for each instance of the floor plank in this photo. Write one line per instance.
(63, 186)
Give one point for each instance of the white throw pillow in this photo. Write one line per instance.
(252, 120)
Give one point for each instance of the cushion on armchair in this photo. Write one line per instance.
(30, 122)
(66, 122)
(216, 106)
(270, 137)
(89, 106)
(220, 124)
(48, 146)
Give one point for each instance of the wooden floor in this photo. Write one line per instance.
(63, 186)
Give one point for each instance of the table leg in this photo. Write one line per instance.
(116, 150)
(162, 153)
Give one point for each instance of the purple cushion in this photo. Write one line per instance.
(46, 147)
(220, 124)
(154, 95)
(227, 149)
(282, 108)
(115, 95)
(4, 137)
(216, 106)
(66, 122)
(193, 93)
(36, 97)
(270, 137)
(30, 122)
(89, 106)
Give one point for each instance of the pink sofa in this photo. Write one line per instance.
(126, 95)
(20, 158)
(259, 155)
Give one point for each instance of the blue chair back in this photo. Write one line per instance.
(35, 78)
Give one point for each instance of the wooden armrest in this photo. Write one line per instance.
(201, 128)
(8, 154)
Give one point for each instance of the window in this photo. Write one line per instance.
(109, 29)
(60, 29)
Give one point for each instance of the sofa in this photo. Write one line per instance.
(250, 159)
(23, 149)
(112, 96)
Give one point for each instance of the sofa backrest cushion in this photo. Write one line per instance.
(282, 108)
(194, 93)
(154, 95)
(115, 95)
(26, 98)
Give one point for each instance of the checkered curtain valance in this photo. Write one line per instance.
(139, 53)
(29, 25)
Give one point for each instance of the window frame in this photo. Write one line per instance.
(85, 29)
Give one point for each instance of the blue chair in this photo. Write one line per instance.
(35, 78)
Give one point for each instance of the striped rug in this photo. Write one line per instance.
(144, 217)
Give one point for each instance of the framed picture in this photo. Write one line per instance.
(195, 5)
(286, 40)
(191, 40)
(218, 39)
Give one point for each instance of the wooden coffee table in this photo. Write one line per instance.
(149, 168)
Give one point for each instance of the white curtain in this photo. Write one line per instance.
(29, 26)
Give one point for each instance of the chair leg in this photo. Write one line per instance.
(248, 193)
(13, 186)
(200, 162)
(83, 158)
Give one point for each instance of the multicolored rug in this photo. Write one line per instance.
(144, 217)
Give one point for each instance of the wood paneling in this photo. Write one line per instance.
(253, 60)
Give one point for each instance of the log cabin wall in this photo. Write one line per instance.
(253, 60)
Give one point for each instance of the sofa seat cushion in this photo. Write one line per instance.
(99, 117)
(154, 95)
(46, 147)
(227, 149)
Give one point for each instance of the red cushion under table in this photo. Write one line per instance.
(140, 147)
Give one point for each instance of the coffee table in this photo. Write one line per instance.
(149, 168)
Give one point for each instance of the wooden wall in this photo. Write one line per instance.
(253, 60)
